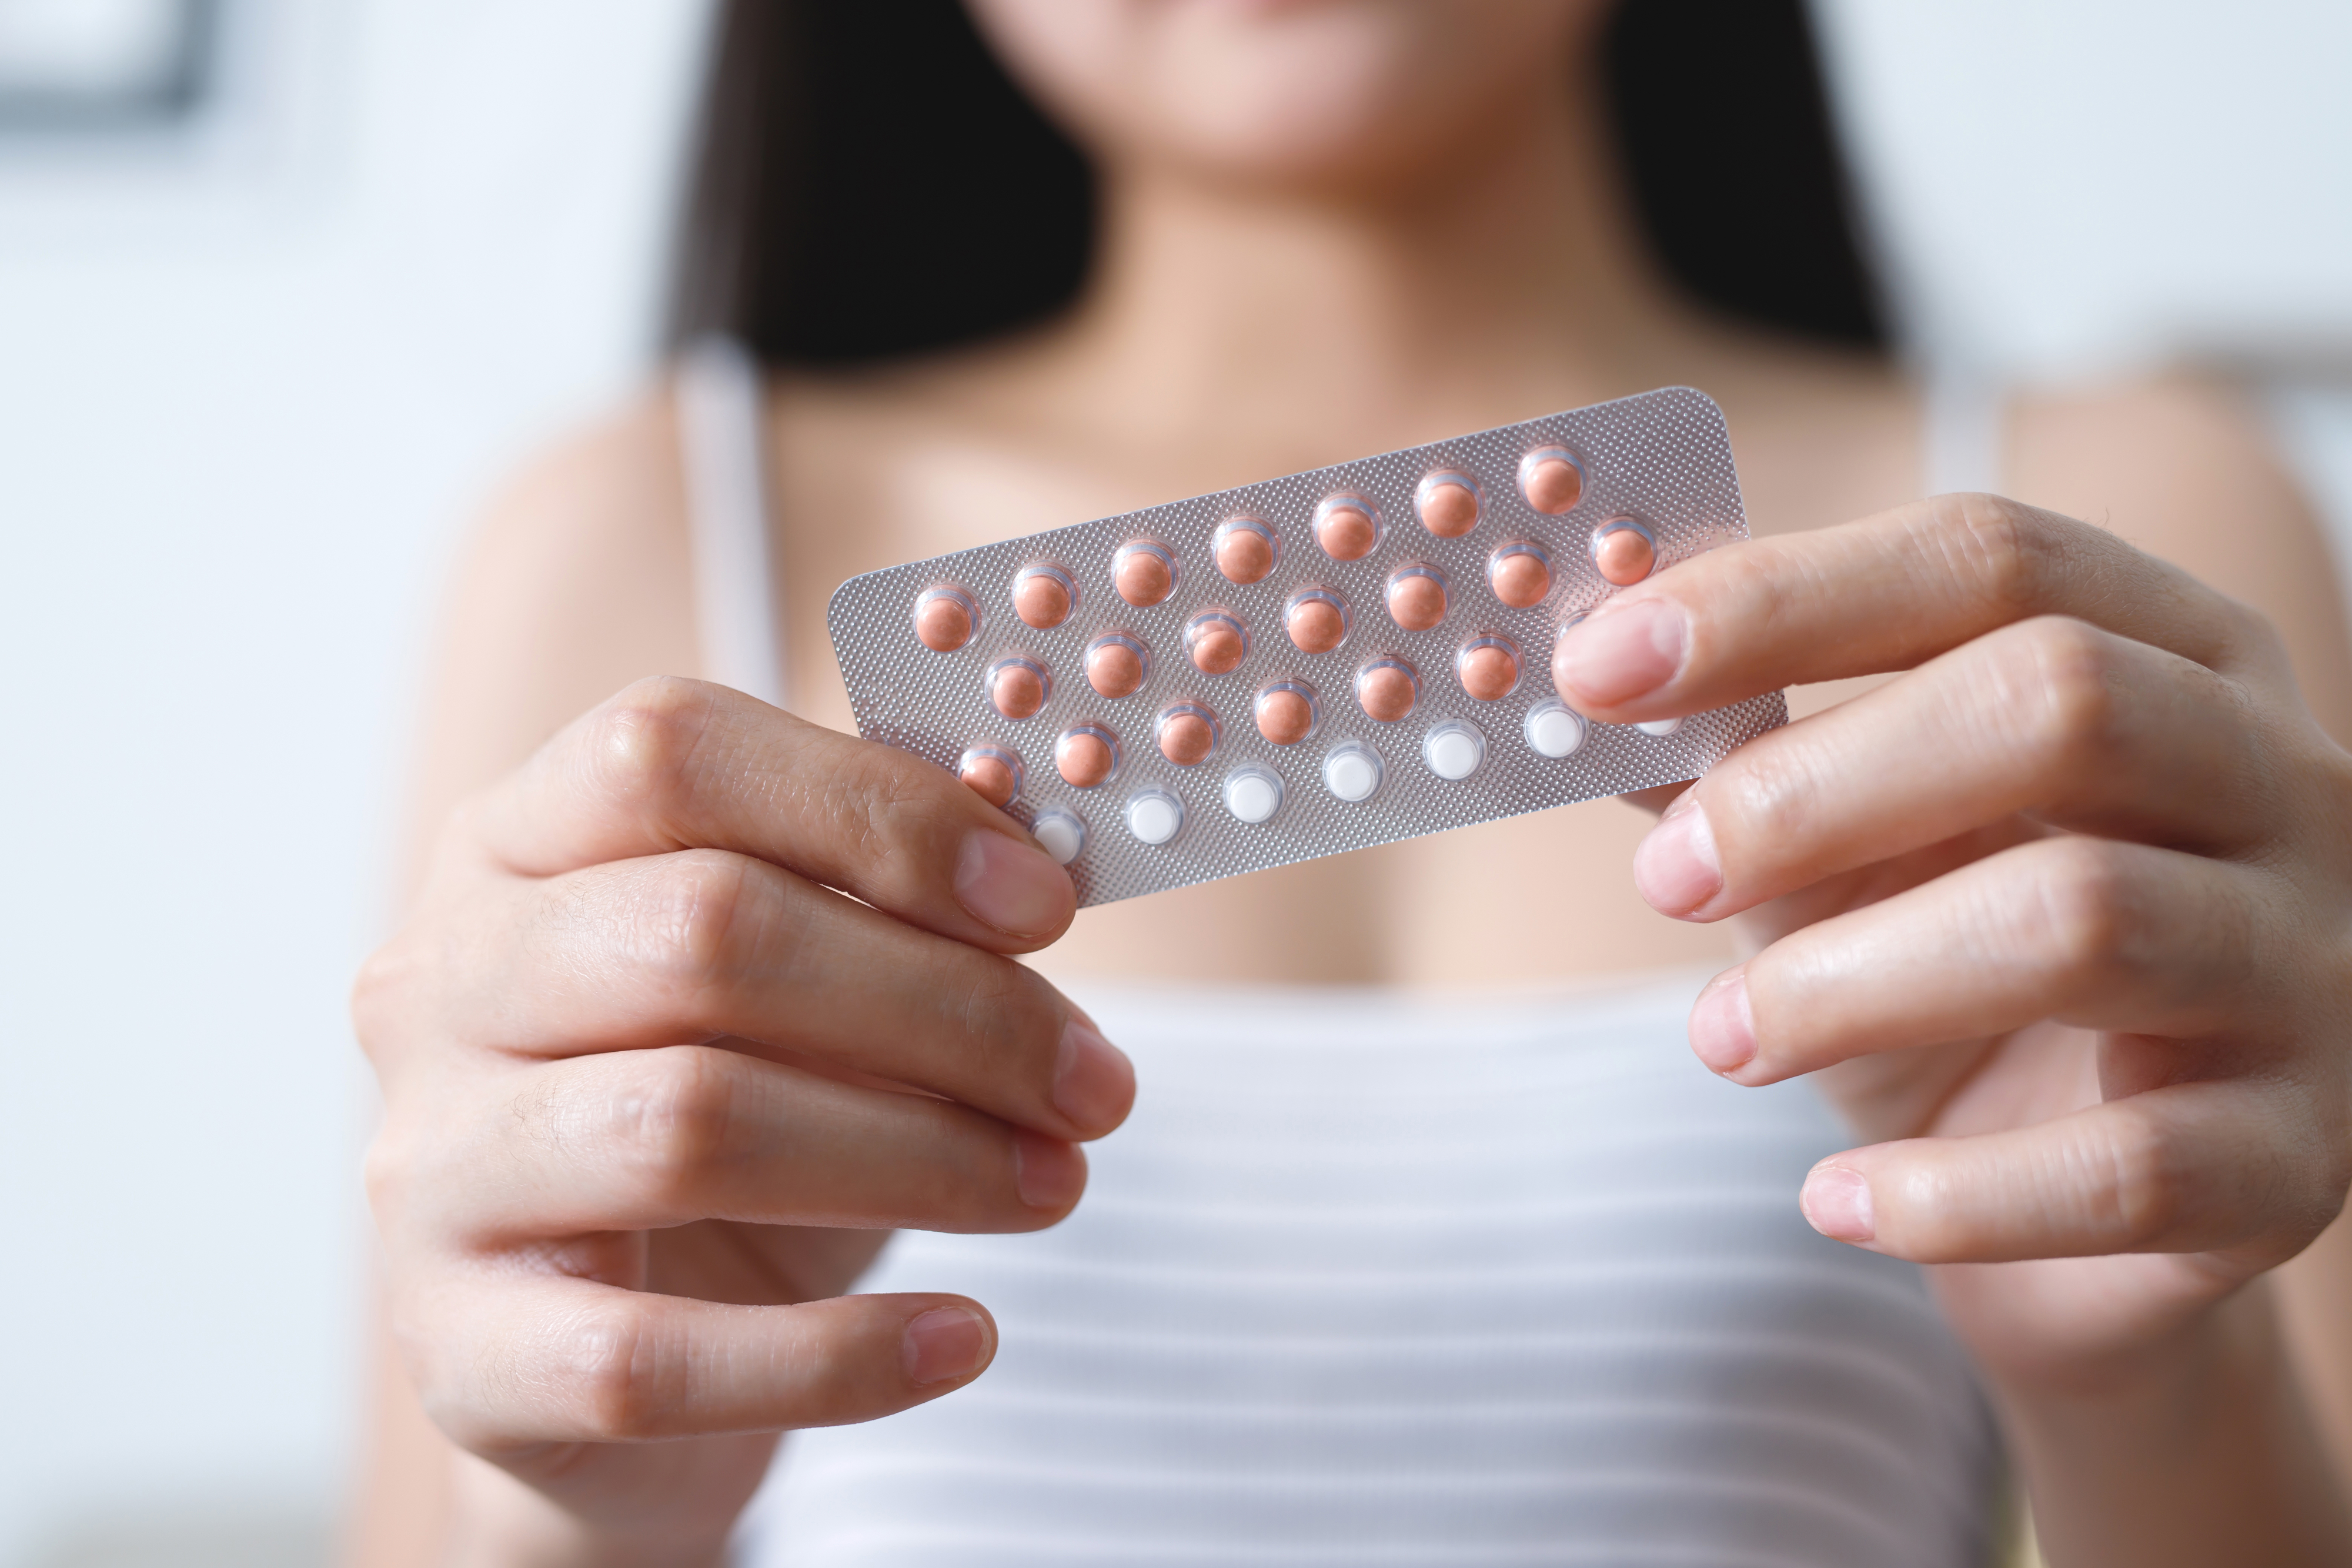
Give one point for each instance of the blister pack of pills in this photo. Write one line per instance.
(1319, 663)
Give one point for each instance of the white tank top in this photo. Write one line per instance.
(1372, 1278)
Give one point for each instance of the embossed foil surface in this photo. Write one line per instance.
(1662, 458)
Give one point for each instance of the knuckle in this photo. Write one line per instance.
(623, 1388)
(2142, 1195)
(699, 916)
(2014, 552)
(895, 814)
(645, 743)
(672, 1117)
(2069, 679)
(2089, 907)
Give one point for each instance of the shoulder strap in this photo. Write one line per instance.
(721, 420)
(1961, 441)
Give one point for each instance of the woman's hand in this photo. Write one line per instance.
(2064, 910)
(654, 1094)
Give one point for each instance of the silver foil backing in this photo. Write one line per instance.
(1663, 459)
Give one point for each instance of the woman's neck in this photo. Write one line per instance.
(1505, 282)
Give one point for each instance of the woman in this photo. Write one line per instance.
(1404, 1261)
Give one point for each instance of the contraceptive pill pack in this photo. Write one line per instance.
(1319, 663)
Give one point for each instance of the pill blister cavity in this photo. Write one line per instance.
(1488, 666)
(1553, 730)
(1448, 504)
(1660, 726)
(1552, 480)
(1216, 641)
(1253, 794)
(1285, 713)
(1187, 733)
(1623, 551)
(1453, 749)
(1018, 686)
(1116, 665)
(1352, 771)
(1386, 689)
(1417, 597)
(1519, 574)
(1043, 596)
(1153, 816)
(1245, 549)
(1086, 756)
(993, 773)
(1346, 527)
(945, 619)
(1062, 834)
(1317, 620)
(1143, 572)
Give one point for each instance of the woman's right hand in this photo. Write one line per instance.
(655, 1093)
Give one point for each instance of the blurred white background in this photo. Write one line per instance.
(256, 364)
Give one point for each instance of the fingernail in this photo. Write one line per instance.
(1722, 1030)
(1094, 1082)
(1620, 652)
(944, 1342)
(1675, 866)
(1004, 882)
(1046, 1172)
(1836, 1202)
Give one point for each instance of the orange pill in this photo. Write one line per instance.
(1187, 735)
(1520, 575)
(1489, 668)
(944, 619)
(1042, 597)
(1245, 549)
(1017, 687)
(1625, 552)
(1386, 689)
(1346, 527)
(1115, 666)
(1143, 573)
(1085, 757)
(1448, 504)
(1316, 621)
(991, 775)
(1552, 480)
(1216, 642)
(1417, 598)
(1286, 714)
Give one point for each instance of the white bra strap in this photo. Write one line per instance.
(721, 420)
(1960, 439)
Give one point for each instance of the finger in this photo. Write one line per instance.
(1881, 594)
(2053, 718)
(674, 764)
(575, 1360)
(2194, 1167)
(702, 945)
(2091, 933)
(644, 1140)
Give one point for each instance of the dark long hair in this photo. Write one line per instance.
(869, 183)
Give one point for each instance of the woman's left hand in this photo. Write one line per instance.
(2064, 910)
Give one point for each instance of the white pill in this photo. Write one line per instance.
(1454, 750)
(1554, 731)
(1351, 773)
(1154, 818)
(1253, 797)
(1062, 834)
(1660, 726)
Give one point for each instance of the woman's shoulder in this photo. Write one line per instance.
(2185, 467)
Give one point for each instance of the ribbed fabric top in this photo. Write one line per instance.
(1373, 1280)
